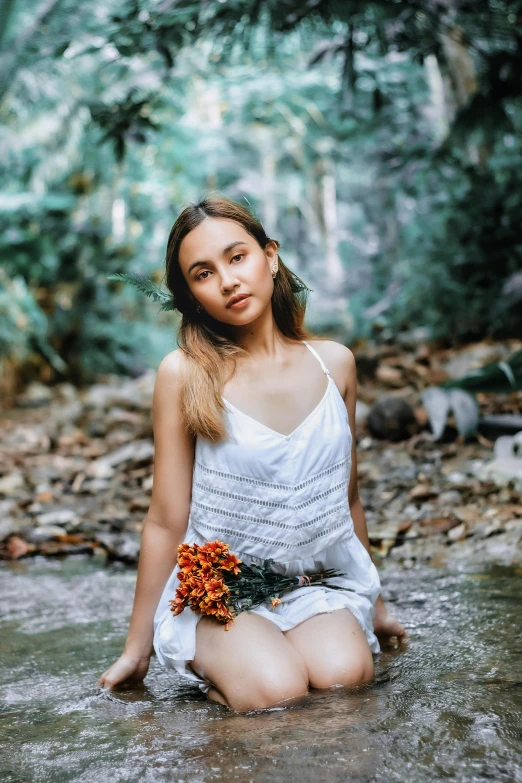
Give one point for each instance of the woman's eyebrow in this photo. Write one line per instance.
(225, 250)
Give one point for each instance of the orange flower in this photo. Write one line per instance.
(183, 590)
(216, 589)
(177, 605)
(187, 558)
(197, 587)
(213, 550)
(275, 602)
(223, 612)
(206, 570)
(231, 563)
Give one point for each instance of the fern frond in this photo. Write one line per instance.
(147, 287)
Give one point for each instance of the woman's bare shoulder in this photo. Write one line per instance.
(171, 367)
(340, 362)
(336, 356)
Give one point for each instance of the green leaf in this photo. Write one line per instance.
(147, 287)
(500, 377)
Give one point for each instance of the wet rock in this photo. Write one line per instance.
(34, 395)
(97, 428)
(502, 471)
(506, 467)
(12, 483)
(135, 452)
(458, 532)
(8, 526)
(450, 497)
(95, 486)
(68, 413)
(66, 392)
(392, 418)
(490, 528)
(362, 411)
(7, 506)
(422, 491)
(23, 439)
(456, 477)
(135, 393)
(45, 532)
(146, 484)
(503, 549)
(139, 504)
(413, 511)
(59, 516)
(121, 546)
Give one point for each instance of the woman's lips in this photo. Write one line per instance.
(241, 303)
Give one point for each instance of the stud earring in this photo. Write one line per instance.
(274, 270)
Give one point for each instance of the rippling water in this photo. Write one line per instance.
(445, 707)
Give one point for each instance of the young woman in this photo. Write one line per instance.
(254, 432)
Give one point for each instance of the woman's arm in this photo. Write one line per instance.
(165, 523)
(384, 625)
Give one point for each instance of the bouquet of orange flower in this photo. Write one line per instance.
(216, 582)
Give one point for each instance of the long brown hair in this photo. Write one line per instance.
(207, 343)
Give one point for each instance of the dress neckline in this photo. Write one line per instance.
(300, 426)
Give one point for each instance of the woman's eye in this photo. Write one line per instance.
(239, 255)
(200, 276)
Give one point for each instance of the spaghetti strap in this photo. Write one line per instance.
(325, 369)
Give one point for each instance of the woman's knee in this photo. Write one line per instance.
(348, 672)
(267, 690)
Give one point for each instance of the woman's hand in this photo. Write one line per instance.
(385, 625)
(127, 669)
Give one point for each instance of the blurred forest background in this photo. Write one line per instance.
(379, 142)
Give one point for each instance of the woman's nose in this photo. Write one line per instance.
(228, 280)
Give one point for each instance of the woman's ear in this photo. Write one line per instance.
(271, 248)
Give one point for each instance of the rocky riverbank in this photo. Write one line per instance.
(76, 471)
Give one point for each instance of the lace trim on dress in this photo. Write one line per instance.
(278, 544)
(268, 503)
(259, 483)
(220, 512)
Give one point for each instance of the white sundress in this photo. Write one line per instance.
(283, 497)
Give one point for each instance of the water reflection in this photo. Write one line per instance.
(445, 706)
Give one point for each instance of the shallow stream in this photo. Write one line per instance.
(445, 707)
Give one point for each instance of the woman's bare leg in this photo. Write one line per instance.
(334, 648)
(251, 666)
(214, 695)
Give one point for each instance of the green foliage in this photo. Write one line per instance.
(115, 114)
(147, 287)
(498, 377)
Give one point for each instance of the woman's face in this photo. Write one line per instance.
(220, 260)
